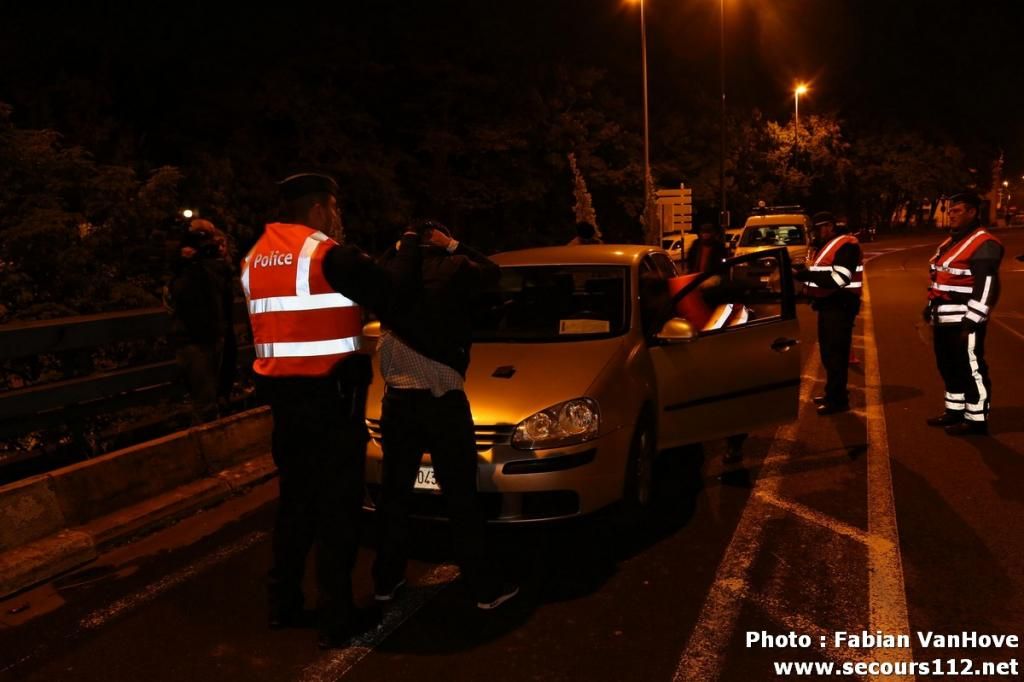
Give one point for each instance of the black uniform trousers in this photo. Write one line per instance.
(962, 365)
(412, 422)
(319, 447)
(836, 315)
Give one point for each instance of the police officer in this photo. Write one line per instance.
(304, 291)
(964, 290)
(834, 281)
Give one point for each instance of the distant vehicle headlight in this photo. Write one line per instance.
(568, 423)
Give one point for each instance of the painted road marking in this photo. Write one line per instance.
(817, 518)
(150, 592)
(872, 254)
(887, 601)
(702, 659)
(336, 664)
(887, 597)
(1008, 328)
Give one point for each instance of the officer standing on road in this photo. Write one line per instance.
(834, 281)
(964, 290)
(304, 292)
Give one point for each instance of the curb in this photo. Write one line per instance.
(56, 522)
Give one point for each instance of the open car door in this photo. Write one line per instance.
(740, 369)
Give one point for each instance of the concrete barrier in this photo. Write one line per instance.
(55, 522)
(102, 485)
(235, 439)
(28, 511)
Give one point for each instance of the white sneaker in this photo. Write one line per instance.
(505, 592)
(390, 594)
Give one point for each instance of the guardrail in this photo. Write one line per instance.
(73, 401)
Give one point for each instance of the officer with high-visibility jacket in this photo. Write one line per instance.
(964, 291)
(834, 282)
(304, 291)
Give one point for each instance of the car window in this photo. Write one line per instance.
(555, 303)
(748, 290)
(666, 268)
(773, 235)
(655, 299)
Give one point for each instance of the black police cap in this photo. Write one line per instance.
(822, 217)
(969, 198)
(301, 184)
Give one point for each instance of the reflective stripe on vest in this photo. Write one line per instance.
(844, 279)
(300, 325)
(950, 270)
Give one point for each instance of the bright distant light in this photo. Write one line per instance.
(1006, 183)
(187, 213)
(801, 89)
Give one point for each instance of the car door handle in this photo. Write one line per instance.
(782, 345)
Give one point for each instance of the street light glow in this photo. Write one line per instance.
(187, 213)
(801, 89)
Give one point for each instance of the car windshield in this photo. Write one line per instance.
(555, 303)
(773, 235)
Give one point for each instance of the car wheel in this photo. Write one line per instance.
(638, 488)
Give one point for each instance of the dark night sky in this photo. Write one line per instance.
(948, 67)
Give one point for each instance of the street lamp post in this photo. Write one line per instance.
(647, 138)
(724, 217)
(800, 89)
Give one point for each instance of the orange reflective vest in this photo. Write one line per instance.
(950, 269)
(844, 279)
(300, 325)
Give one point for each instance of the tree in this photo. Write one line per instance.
(650, 219)
(897, 166)
(584, 205)
(76, 236)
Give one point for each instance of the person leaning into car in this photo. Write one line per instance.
(425, 409)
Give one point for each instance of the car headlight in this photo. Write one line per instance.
(568, 423)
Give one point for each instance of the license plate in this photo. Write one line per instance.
(425, 479)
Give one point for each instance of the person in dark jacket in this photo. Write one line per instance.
(310, 370)
(198, 297)
(425, 409)
(708, 252)
(586, 234)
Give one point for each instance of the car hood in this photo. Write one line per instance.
(508, 382)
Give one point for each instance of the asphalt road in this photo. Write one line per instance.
(864, 521)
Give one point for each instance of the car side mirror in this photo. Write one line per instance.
(677, 330)
(371, 330)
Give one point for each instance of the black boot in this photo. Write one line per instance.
(967, 428)
(947, 418)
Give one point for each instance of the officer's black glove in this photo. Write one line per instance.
(927, 314)
(1020, 257)
(801, 275)
(966, 329)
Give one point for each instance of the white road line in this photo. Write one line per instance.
(337, 664)
(817, 518)
(887, 597)
(702, 659)
(150, 592)
(1008, 328)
